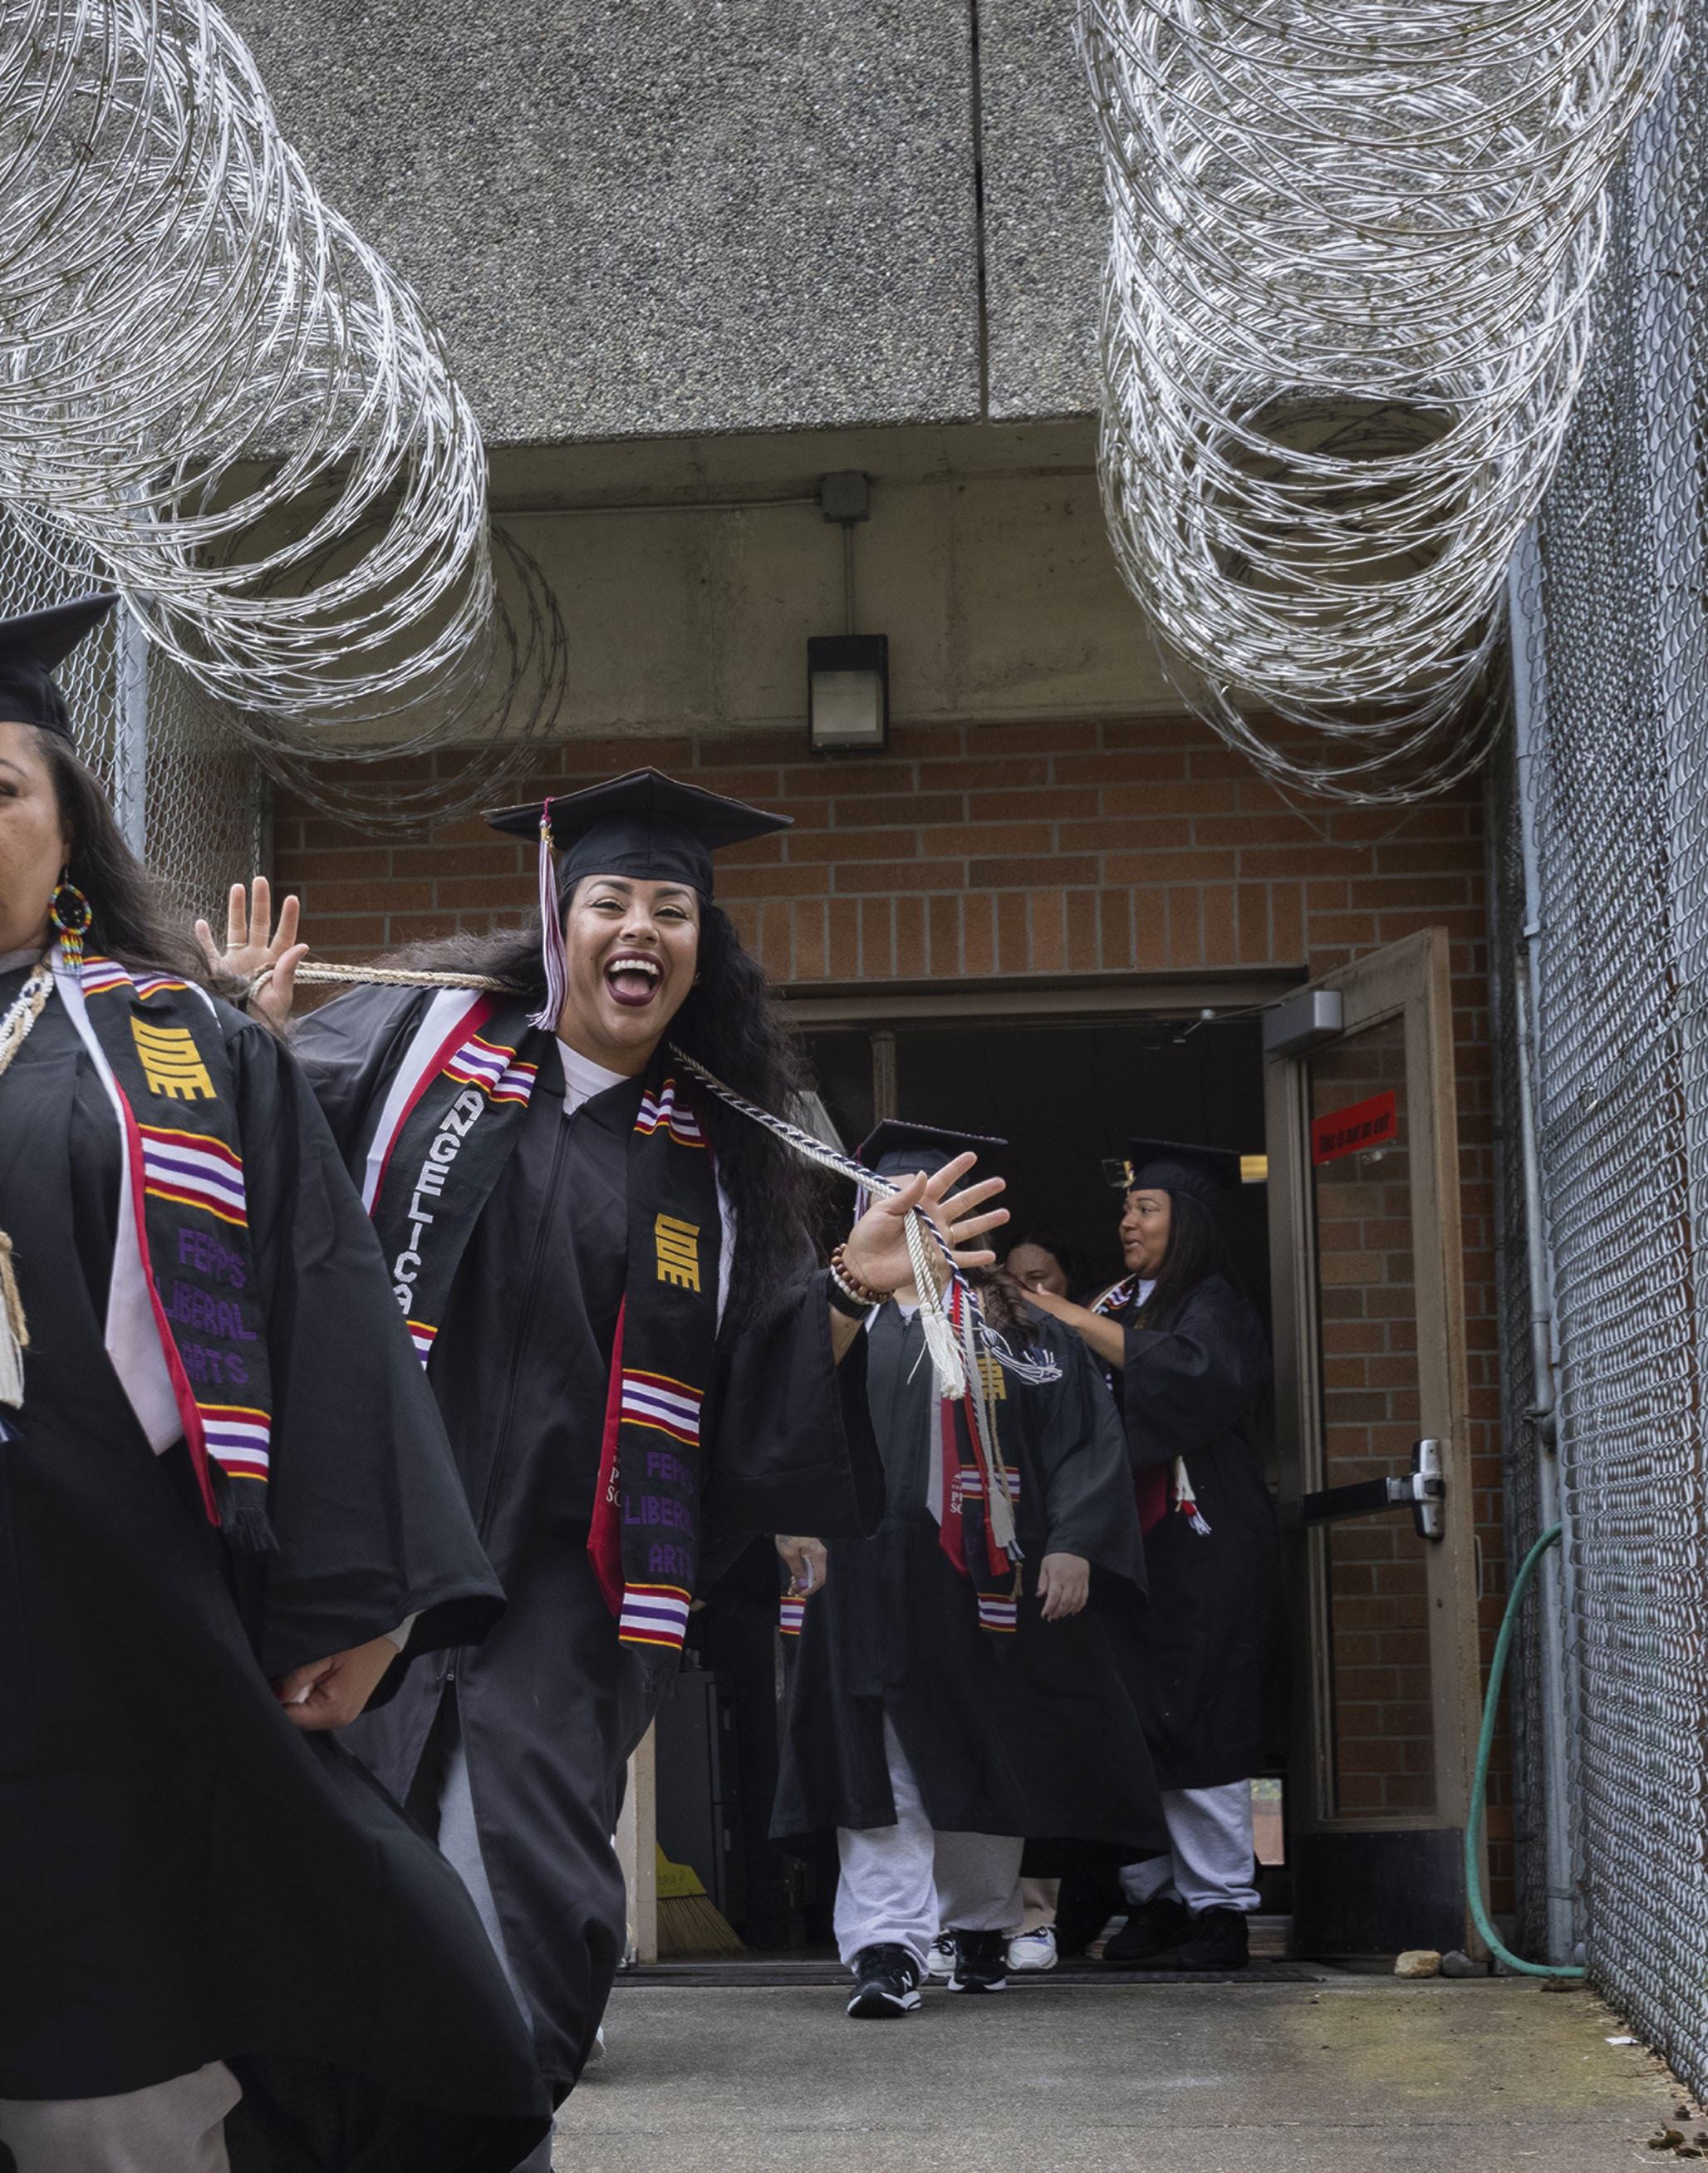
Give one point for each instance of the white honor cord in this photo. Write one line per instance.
(940, 1336)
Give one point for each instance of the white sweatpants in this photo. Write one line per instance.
(1209, 1862)
(899, 1884)
(175, 2126)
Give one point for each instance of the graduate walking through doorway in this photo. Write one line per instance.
(609, 1279)
(226, 1505)
(1190, 1367)
(950, 1699)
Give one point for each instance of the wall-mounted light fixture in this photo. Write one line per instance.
(847, 674)
(847, 681)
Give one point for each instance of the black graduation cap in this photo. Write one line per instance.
(895, 1148)
(31, 645)
(1169, 1166)
(645, 826)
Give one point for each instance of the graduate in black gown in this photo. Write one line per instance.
(608, 1275)
(227, 1508)
(1190, 1365)
(946, 1701)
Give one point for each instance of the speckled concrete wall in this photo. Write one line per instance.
(643, 218)
(1045, 225)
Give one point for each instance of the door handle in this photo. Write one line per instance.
(1422, 1489)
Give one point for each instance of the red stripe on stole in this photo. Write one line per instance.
(604, 1533)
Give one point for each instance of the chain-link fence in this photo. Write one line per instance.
(1611, 657)
(191, 799)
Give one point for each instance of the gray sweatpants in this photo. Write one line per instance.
(899, 1884)
(1209, 1862)
(175, 2126)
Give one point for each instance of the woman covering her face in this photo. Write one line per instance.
(1190, 1368)
(226, 1505)
(608, 1277)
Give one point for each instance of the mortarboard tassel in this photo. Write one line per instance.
(552, 932)
(1185, 1501)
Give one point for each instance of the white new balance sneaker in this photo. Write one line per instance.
(1033, 1950)
(940, 1956)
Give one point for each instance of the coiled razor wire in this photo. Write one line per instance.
(212, 384)
(1345, 316)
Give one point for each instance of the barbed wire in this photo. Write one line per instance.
(1345, 317)
(209, 380)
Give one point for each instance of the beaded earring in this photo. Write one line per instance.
(73, 915)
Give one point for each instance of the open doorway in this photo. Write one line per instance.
(1066, 1093)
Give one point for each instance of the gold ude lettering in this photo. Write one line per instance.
(170, 1063)
(678, 1252)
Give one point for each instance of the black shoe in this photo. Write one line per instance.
(981, 1961)
(1087, 1900)
(1220, 1940)
(1153, 1931)
(887, 1984)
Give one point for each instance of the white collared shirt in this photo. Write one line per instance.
(583, 1078)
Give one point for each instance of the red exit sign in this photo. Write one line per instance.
(1347, 1131)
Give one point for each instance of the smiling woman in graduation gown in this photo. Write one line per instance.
(636, 1359)
(220, 1468)
(1190, 1366)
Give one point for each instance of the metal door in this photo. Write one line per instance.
(1370, 1360)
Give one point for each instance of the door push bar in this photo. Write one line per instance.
(1422, 1491)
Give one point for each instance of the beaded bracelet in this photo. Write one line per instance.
(858, 1297)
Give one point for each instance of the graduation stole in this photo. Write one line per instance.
(644, 1540)
(1151, 1481)
(969, 1467)
(158, 1046)
(450, 1123)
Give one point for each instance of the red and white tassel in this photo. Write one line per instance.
(1185, 1501)
(550, 931)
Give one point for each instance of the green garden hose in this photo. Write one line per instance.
(1479, 1783)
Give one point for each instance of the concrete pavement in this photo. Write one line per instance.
(1349, 2073)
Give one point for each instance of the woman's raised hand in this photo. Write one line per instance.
(876, 1251)
(251, 947)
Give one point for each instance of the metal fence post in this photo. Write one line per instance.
(1558, 1701)
(130, 753)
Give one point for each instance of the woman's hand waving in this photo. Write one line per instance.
(251, 947)
(876, 1251)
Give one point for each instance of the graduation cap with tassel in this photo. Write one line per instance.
(644, 827)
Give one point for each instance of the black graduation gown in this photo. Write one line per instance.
(551, 1704)
(183, 1876)
(1213, 1680)
(1031, 1734)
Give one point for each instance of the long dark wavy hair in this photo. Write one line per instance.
(136, 919)
(733, 1025)
(1195, 1253)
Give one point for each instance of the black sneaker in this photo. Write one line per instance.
(981, 1961)
(887, 1984)
(1220, 1940)
(1152, 1932)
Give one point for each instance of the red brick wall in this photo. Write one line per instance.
(1008, 849)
